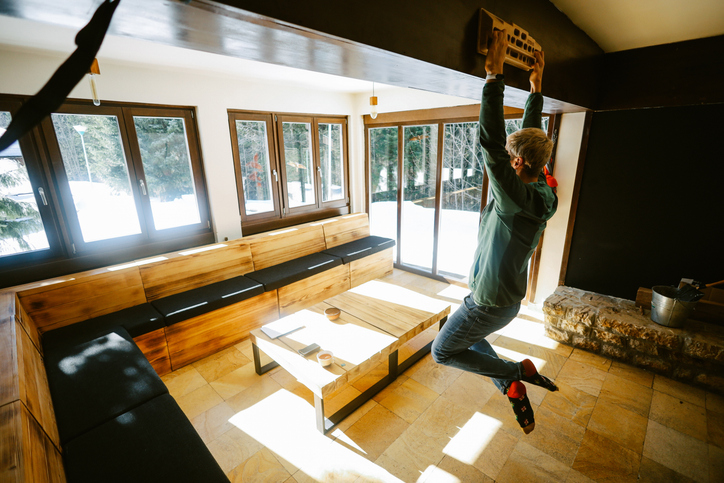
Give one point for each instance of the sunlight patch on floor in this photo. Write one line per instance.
(454, 292)
(528, 331)
(519, 356)
(285, 424)
(473, 438)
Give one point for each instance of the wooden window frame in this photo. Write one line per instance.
(442, 116)
(29, 146)
(284, 215)
(42, 154)
(124, 114)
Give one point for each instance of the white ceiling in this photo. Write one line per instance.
(629, 24)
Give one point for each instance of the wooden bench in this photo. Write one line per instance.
(29, 311)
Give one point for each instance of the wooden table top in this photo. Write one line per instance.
(376, 319)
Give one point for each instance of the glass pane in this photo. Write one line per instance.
(167, 168)
(330, 160)
(298, 158)
(418, 195)
(95, 165)
(21, 228)
(512, 125)
(383, 183)
(462, 182)
(251, 138)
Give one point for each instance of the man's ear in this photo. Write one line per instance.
(518, 162)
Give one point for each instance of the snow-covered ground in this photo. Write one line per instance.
(458, 235)
(103, 214)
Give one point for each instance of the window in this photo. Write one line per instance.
(289, 168)
(26, 228)
(427, 186)
(94, 185)
(127, 174)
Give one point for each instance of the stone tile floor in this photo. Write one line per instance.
(609, 421)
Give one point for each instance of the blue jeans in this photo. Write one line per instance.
(461, 342)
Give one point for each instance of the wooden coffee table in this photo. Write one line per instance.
(376, 319)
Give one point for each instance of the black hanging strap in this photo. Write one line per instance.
(56, 90)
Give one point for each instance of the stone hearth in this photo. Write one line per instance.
(617, 329)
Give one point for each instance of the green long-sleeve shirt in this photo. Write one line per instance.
(512, 222)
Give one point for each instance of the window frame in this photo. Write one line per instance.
(29, 146)
(283, 214)
(441, 117)
(273, 166)
(196, 168)
(124, 114)
(42, 155)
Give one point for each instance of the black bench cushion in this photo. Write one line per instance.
(154, 442)
(137, 320)
(185, 305)
(361, 248)
(97, 380)
(294, 270)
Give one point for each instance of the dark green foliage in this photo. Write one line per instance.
(164, 152)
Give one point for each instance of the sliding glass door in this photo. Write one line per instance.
(419, 181)
(427, 187)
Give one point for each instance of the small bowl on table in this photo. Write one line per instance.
(332, 313)
(325, 358)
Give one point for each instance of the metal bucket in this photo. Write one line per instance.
(666, 310)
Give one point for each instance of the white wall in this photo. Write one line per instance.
(25, 71)
(570, 135)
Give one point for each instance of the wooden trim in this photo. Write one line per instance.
(438, 194)
(368, 162)
(400, 163)
(574, 199)
(554, 124)
(278, 223)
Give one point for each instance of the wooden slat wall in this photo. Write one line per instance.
(154, 347)
(277, 247)
(26, 453)
(196, 338)
(312, 290)
(343, 229)
(28, 324)
(9, 386)
(369, 268)
(60, 304)
(185, 272)
(34, 391)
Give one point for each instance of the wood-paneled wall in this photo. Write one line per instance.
(185, 272)
(275, 247)
(82, 297)
(345, 229)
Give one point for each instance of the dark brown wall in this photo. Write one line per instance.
(678, 74)
(444, 33)
(650, 206)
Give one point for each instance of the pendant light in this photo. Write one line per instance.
(94, 71)
(373, 103)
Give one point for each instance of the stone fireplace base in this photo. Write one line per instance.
(616, 328)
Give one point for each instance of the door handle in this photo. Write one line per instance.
(143, 186)
(276, 178)
(41, 192)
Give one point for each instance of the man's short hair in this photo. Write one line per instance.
(533, 146)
